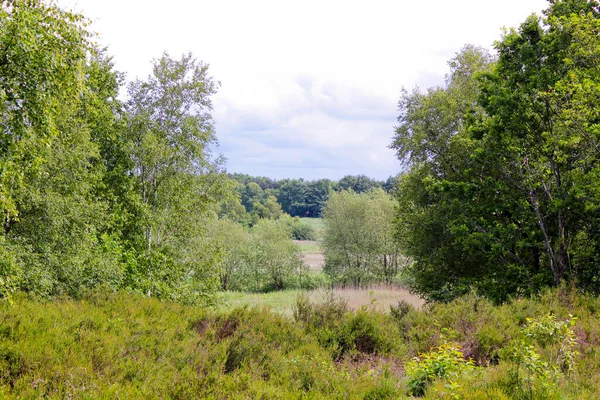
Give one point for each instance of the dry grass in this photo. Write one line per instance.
(379, 297)
(312, 254)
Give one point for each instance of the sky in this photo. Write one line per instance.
(308, 89)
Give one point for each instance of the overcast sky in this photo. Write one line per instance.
(308, 89)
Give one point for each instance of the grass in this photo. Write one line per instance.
(308, 246)
(312, 254)
(280, 302)
(379, 298)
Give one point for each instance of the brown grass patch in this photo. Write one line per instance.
(379, 297)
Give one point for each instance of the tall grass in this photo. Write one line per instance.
(377, 297)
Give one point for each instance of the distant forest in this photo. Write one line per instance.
(299, 197)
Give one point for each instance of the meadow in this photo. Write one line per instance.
(316, 224)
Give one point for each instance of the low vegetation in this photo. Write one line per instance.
(128, 346)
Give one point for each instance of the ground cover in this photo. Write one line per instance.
(109, 345)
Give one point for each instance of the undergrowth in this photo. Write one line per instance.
(126, 346)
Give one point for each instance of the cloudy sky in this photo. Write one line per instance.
(308, 89)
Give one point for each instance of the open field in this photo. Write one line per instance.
(308, 246)
(312, 254)
(379, 298)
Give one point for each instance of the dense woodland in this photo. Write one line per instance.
(114, 198)
(300, 198)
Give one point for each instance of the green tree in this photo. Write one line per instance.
(42, 61)
(543, 123)
(58, 106)
(270, 209)
(292, 196)
(232, 242)
(434, 204)
(358, 240)
(170, 132)
(275, 260)
(251, 194)
(503, 163)
(358, 183)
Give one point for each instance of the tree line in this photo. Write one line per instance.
(500, 191)
(299, 197)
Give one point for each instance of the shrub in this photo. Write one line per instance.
(317, 315)
(533, 374)
(445, 362)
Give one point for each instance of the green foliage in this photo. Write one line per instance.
(503, 163)
(537, 376)
(300, 198)
(126, 345)
(358, 238)
(275, 260)
(261, 259)
(59, 226)
(45, 47)
(170, 133)
(445, 362)
(346, 334)
(94, 193)
(300, 229)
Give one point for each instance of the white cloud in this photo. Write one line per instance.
(308, 88)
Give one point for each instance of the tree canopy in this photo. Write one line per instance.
(503, 163)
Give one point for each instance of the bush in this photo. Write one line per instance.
(110, 345)
(300, 230)
(445, 362)
(358, 239)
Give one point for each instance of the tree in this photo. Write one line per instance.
(503, 162)
(316, 196)
(252, 193)
(543, 122)
(275, 261)
(358, 240)
(170, 131)
(42, 60)
(58, 106)
(232, 242)
(431, 140)
(271, 209)
(292, 196)
(358, 183)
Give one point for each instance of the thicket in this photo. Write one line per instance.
(94, 190)
(261, 259)
(501, 192)
(130, 346)
(358, 240)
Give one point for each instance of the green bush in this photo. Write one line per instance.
(303, 231)
(445, 362)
